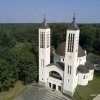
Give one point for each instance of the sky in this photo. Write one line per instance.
(32, 11)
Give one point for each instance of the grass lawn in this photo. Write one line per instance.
(94, 56)
(93, 87)
(13, 92)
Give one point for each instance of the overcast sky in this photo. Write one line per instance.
(32, 11)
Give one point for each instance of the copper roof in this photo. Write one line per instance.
(61, 50)
(44, 25)
(73, 25)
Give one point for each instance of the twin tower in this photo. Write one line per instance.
(59, 75)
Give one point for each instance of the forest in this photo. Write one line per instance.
(19, 48)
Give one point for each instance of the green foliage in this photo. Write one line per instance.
(26, 63)
(17, 61)
(6, 76)
(94, 56)
(89, 34)
(58, 34)
(87, 37)
(97, 41)
(27, 66)
(7, 68)
(13, 92)
(41, 85)
(34, 50)
(7, 40)
(51, 51)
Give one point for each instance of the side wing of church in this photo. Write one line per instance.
(70, 66)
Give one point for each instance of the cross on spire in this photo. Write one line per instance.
(44, 16)
(74, 16)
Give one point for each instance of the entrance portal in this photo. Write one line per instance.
(50, 85)
(59, 88)
(54, 87)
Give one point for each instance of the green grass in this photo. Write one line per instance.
(94, 56)
(93, 87)
(13, 92)
(41, 85)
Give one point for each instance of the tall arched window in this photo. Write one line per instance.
(70, 42)
(48, 38)
(42, 40)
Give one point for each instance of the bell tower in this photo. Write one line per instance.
(44, 50)
(71, 52)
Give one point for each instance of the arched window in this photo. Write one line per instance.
(55, 74)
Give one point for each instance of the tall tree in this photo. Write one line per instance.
(26, 63)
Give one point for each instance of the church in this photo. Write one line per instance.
(70, 66)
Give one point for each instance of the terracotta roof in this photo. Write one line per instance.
(61, 50)
(44, 25)
(82, 69)
(73, 25)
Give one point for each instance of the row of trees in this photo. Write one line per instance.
(89, 34)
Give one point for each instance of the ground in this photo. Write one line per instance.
(41, 93)
(13, 92)
(89, 91)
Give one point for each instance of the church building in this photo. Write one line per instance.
(70, 66)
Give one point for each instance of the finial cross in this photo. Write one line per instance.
(44, 16)
(74, 15)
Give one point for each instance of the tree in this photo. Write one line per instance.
(87, 37)
(6, 76)
(27, 66)
(7, 40)
(26, 63)
(97, 41)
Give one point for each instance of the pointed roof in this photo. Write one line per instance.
(44, 25)
(73, 25)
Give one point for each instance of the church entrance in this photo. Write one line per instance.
(54, 81)
(59, 88)
(54, 86)
(50, 85)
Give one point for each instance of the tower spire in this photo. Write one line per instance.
(73, 25)
(44, 24)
